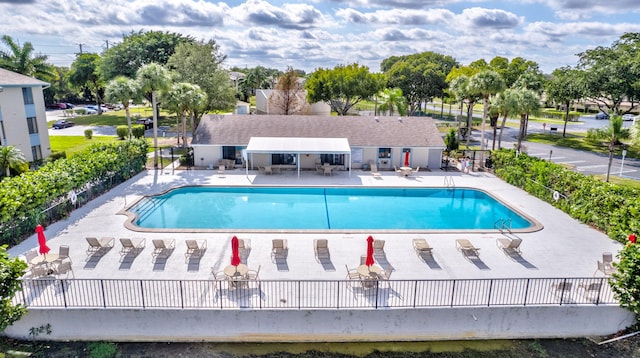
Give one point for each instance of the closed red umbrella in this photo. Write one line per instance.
(369, 261)
(406, 158)
(235, 252)
(42, 240)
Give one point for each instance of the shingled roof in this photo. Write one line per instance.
(13, 79)
(361, 131)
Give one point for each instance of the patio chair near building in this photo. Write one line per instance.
(64, 268)
(63, 255)
(378, 247)
(95, 245)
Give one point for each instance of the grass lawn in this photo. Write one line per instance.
(75, 144)
(578, 141)
(116, 118)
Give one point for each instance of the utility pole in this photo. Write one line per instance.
(80, 45)
(107, 42)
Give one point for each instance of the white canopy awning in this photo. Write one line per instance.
(298, 145)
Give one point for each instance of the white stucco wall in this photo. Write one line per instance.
(247, 325)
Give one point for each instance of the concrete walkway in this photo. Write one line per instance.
(563, 248)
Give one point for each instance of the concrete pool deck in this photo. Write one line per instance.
(563, 248)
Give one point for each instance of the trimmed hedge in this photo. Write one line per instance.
(23, 196)
(611, 208)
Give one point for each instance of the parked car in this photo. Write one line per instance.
(148, 122)
(602, 115)
(87, 110)
(70, 106)
(62, 123)
(57, 106)
(628, 117)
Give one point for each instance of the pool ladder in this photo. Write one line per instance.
(448, 182)
(502, 225)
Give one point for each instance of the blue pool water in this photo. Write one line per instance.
(323, 208)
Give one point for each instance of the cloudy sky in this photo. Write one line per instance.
(324, 33)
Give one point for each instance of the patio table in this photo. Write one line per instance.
(373, 271)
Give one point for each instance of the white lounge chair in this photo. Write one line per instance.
(162, 247)
(279, 249)
(95, 245)
(421, 246)
(509, 246)
(466, 247)
(195, 249)
(129, 245)
(321, 248)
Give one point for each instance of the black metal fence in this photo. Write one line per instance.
(312, 294)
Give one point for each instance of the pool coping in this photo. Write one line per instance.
(132, 217)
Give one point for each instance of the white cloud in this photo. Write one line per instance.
(398, 17)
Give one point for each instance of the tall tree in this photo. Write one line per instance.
(459, 86)
(613, 134)
(343, 86)
(287, 91)
(421, 77)
(153, 79)
(525, 102)
(200, 63)
(138, 49)
(122, 89)
(11, 158)
(183, 98)
(486, 83)
(611, 73)
(392, 99)
(564, 88)
(22, 60)
(84, 74)
(505, 103)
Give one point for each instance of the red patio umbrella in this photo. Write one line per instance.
(235, 255)
(42, 241)
(369, 261)
(406, 158)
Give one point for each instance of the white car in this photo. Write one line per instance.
(628, 117)
(88, 110)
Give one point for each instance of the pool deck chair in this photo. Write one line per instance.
(129, 245)
(162, 247)
(421, 247)
(279, 249)
(378, 247)
(509, 246)
(96, 245)
(195, 249)
(221, 171)
(321, 248)
(467, 249)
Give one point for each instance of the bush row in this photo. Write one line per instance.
(611, 208)
(137, 131)
(20, 196)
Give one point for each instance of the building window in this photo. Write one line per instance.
(289, 159)
(36, 152)
(27, 95)
(384, 152)
(32, 124)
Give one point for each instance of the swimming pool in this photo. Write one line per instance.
(316, 208)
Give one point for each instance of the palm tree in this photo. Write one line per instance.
(152, 79)
(505, 103)
(613, 133)
(392, 98)
(122, 89)
(21, 60)
(524, 103)
(459, 86)
(181, 98)
(11, 158)
(486, 83)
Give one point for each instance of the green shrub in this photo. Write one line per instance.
(612, 208)
(80, 111)
(122, 132)
(57, 155)
(24, 197)
(88, 133)
(137, 130)
(451, 140)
